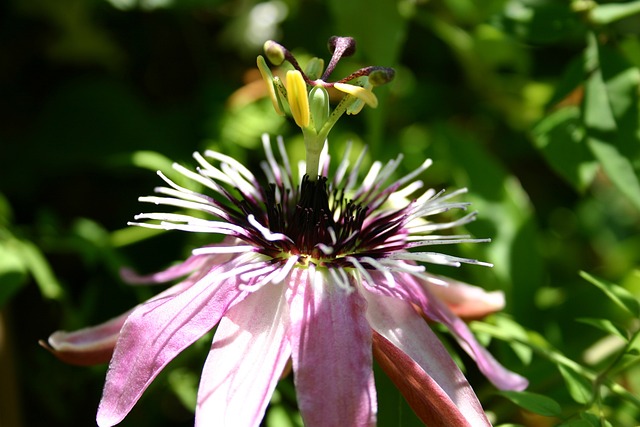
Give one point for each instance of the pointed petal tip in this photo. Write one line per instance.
(106, 418)
(78, 357)
(512, 382)
(88, 346)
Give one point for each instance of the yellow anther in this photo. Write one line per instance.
(265, 72)
(298, 98)
(359, 92)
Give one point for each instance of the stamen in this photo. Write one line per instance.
(332, 234)
(170, 201)
(210, 171)
(327, 250)
(443, 242)
(236, 165)
(285, 270)
(288, 177)
(403, 194)
(436, 258)
(391, 282)
(179, 188)
(341, 279)
(212, 250)
(245, 187)
(207, 182)
(360, 268)
(273, 165)
(266, 233)
(187, 196)
(423, 167)
(433, 226)
(355, 171)
(338, 176)
(368, 181)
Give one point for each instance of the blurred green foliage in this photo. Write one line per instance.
(531, 104)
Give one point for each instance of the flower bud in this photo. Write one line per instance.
(275, 52)
(381, 75)
(319, 106)
(314, 68)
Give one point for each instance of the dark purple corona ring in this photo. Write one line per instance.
(337, 224)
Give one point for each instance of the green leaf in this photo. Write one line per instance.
(593, 420)
(576, 423)
(41, 271)
(151, 160)
(559, 136)
(506, 215)
(607, 13)
(618, 168)
(612, 116)
(13, 271)
(184, 384)
(598, 114)
(580, 388)
(515, 330)
(617, 294)
(533, 402)
(532, 20)
(605, 325)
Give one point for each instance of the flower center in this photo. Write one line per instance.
(322, 224)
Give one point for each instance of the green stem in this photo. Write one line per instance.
(314, 142)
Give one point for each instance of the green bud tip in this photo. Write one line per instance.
(275, 52)
(381, 75)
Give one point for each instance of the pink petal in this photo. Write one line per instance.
(94, 345)
(249, 351)
(331, 353)
(88, 346)
(177, 271)
(438, 311)
(156, 332)
(406, 340)
(464, 300)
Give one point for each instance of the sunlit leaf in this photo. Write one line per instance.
(605, 325)
(618, 167)
(607, 13)
(580, 388)
(533, 402)
(617, 294)
(612, 116)
(184, 384)
(598, 114)
(560, 137)
(531, 20)
(594, 420)
(515, 330)
(41, 271)
(13, 271)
